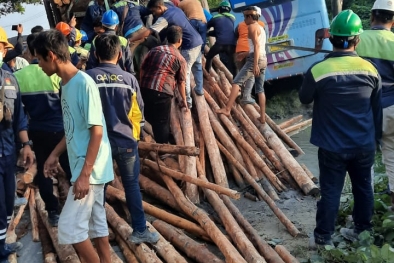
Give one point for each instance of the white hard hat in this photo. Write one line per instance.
(383, 5)
(258, 10)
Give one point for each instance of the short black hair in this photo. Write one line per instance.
(54, 41)
(174, 33)
(344, 42)
(30, 42)
(155, 3)
(37, 29)
(107, 46)
(383, 16)
(97, 22)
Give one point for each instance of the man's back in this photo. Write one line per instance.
(378, 46)
(41, 98)
(224, 28)
(347, 110)
(193, 9)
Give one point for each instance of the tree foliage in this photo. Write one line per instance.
(15, 6)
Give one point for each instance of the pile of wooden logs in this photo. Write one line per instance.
(295, 125)
(211, 151)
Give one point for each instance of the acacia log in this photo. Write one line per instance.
(285, 254)
(66, 253)
(171, 162)
(165, 249)
(228, 250)
(142, 251)
(18, 216)
(148, 128)
(256, 159)
(220, 66)
(11, 238)
(114, 257)
(158, 192)
(309, 173)
(127, 253)
(28, 176)
(265, 250)
(48, 251)
(168, 148)
(63, 187)
(162, 214)
(227, 142)
(194, 250)
(33, 216)
(176, 130)
(290, 122)
(111, 234)
(232, 228)
(299, 175)
(210, 141)
(55, 191)
(180, 176)
(226, 85)
(251, 197)
(298, 126)
(191, 190)
(281, 216)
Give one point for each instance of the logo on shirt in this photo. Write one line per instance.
(111, 77)
(68, 121)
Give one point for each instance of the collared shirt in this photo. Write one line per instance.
(162, 69)
(347, 111)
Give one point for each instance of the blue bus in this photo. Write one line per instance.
(302, 23)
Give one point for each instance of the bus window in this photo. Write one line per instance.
(238, 5)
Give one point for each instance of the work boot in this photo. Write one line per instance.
(53, 218)
(13, 247)
(318, 246)
(144, 237)
(246, 97)
(349, 234)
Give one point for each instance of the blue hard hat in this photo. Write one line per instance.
(84, 35)
(110, 18)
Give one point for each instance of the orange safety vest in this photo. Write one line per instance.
(242, 43)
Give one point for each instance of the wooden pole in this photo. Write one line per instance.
(309, 173)
(285, 254)
(33, 216)
(298, 126)
(168, 148)
(290, 122)
(127, 253)
(194, 250)
(48, 251)
(180, 176)
(176, 130)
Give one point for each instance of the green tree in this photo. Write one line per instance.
(15, 6)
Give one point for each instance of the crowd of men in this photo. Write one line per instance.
(83, 103)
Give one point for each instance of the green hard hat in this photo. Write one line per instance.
(346, 24)
(224, 4)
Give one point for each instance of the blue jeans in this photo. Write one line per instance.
(333, 168)
(201, 29)
(194, 65)
(128, 162)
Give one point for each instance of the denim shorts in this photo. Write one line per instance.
(247, 71)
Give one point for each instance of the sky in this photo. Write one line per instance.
(33, 15)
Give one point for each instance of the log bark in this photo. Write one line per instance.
(194, 250)
(114, 257)
(158, 192)
(33, 216)
(148, 128)
(226, 140)
(142, 251)
(180, 176)
(171, 162)
(63, 187)
(191, 190)
(210, 142)
(281, 216)
(251, 197)
(127, 253)
(309, 173)
(228, 250)
(299, 175)
(265, 250)
(18, 216)
(168, 148)
(298, 126)
(111, 234)
(285, 254)
(66, 253)
(232, 228)
(48, 251)
(290, 122)
(176, 130)
(11, 238)
(256, 159)
(162, 214)
(166, 250)
(28, 176)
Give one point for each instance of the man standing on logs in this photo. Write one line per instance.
(191, 41)
(255, 63)
(377, 45)
(163, 69)
(87, 144)
(41, 98)
(123, 112)
(13, 122)
(347, 121)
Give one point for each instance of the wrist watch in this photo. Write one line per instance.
(29, 142)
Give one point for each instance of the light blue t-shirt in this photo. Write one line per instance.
(81, 106)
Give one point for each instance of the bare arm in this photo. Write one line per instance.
(140, 35)
(96, 134)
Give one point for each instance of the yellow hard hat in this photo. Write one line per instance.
(4, 39)
(78, 35)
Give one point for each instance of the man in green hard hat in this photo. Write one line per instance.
(347, 118)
